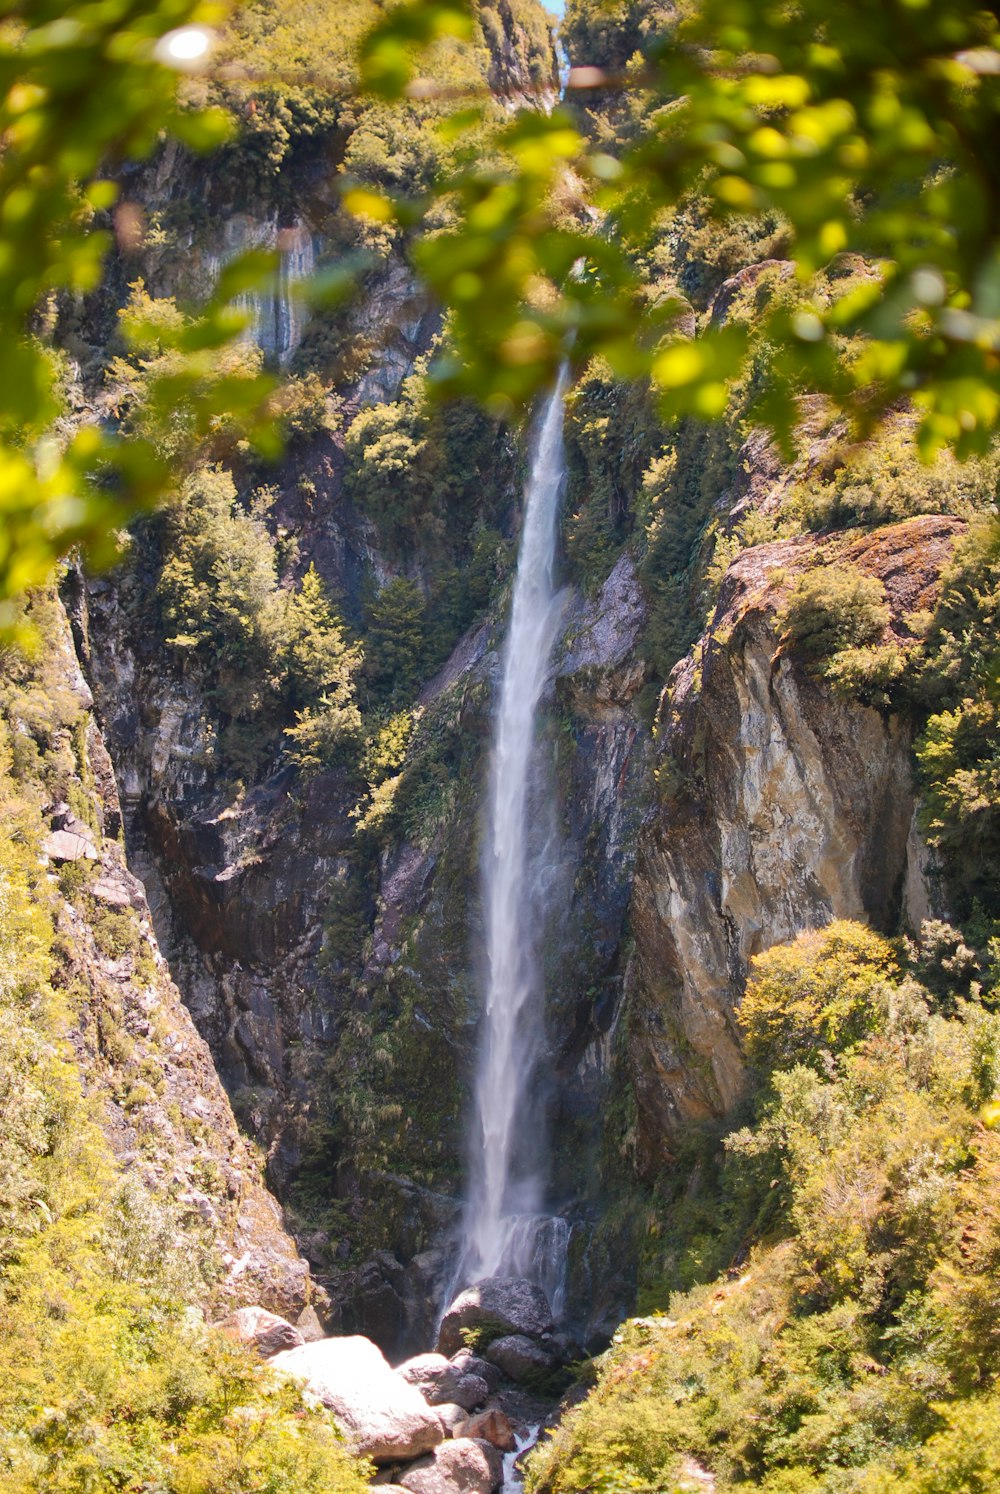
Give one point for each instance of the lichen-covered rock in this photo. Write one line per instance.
(461, 1466)
(495, 1306)
(433, 1375)
(266, 1331)
(439, 1381)
(519, 1358)
(382, 1416)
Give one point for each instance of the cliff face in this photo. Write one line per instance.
(165, 1114)
(782, 806)
(333, 972)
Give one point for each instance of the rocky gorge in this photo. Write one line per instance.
(275, 940)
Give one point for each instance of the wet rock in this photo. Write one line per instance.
(266, 1331)
(495, 1307)
(519, 1357)
(382, 1416)
(492, 1427)
(462, 1466)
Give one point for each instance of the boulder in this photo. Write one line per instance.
(492, 1427)
(433, 1376)
(471, 1364)
(382, 1416)
(69, 845)
(519, 1357)
(451, 1415)
(440, 1381)
(495, 1307)
(462, 1466)
(471, 1391)
(268, 1333)
(309, 1326)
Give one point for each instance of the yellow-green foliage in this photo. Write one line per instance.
(267, 649)
(856, 1348)
(833, 608)
(959, 751)
(885, 480)
(109, 1379)
(818, 995)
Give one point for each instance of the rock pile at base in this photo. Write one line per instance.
(380, 1414)
(440, 1423)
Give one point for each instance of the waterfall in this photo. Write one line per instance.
(504, 1231)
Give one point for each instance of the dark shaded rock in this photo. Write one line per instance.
(519, 1357)
(472, 1364)
(495, 1306)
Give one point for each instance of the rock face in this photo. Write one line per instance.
(782, 806)
(380, 1414)
(167, 1117)
(268, 1333)
(495, 1306)
(462, 1466)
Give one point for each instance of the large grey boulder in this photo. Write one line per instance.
(462, 1466)
(519, 1357)
(381, 1415)
(264, 1330)
(493, 1307)
(439, 1381)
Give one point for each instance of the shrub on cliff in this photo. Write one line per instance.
(834, 607)
(818, 995)
(885, 480)
(958, 753)
(267, 649)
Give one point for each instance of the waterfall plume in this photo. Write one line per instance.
(505, 1231)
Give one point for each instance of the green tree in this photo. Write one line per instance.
(397, 639)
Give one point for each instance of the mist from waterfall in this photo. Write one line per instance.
(504, 1231)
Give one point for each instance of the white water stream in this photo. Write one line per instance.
(505, 1232)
